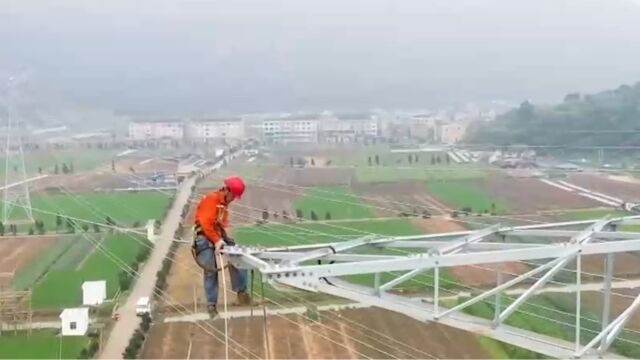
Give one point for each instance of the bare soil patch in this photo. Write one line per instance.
(16, 252)
(309, 176)
(627, 191)
(476, 276)
(142, 165)
(528, 195)
(84, 182)
(293, 337)
(393, 199)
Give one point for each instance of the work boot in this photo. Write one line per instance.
(212, 309)
(243, 298)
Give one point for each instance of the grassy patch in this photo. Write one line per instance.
(248, 171)
(41, 344)
(393, 174)
(588, 214)
(26, 276)
(461, 194)
(62, 288)
(310, 233)
(77, 253)
(486, 310)
(124, 208)
(84, 160)
(495, 348)
(336, 201)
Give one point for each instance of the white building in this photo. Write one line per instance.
(151, 230)
(348, 127)
(94, 292)
(202, 129)
(452, 133)
(156, 129)
(75, 321)
(291, 129)
(424, 126)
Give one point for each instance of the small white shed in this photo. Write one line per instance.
(94, 292)
(151, 230)
(75, 321)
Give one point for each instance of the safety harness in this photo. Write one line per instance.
(197, 232)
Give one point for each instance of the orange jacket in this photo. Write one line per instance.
(212, 209)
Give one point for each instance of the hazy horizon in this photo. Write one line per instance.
(153, 57)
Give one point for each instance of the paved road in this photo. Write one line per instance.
(144, 286)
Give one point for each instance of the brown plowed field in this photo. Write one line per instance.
(142, 165)
(528, 195)
(185, 280)
(16, 252)
(593, 300)
(392, 199)
(601, 183)
(85, 182)
(309, 176)
(273, 198)
(293, 337)
(477, 276)
(625, 265)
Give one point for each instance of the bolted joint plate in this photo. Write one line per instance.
(296, 279)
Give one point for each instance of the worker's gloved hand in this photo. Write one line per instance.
(229, 241)
(218, 245)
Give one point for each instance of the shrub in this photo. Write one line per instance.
(124, 280)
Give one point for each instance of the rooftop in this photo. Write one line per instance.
(157, 120)
(227, 119)
(75, 312)
(293, 117)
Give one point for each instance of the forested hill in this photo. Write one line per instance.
(609, 118)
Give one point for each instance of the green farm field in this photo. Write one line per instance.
(310, 233)
(394, 174)
(461, 194)
(40, 344)
(85, 160)
(338, 202)
(61, 285)
(125, 208)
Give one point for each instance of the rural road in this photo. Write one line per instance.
(145, 284)
(128, 322)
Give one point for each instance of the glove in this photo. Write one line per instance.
(218, 245)
(229, 241)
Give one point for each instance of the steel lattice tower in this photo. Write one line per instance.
(16, 186)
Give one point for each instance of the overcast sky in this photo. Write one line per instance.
(157, 56)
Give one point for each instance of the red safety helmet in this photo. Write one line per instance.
(235, 184)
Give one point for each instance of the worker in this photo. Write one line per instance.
(210, 235)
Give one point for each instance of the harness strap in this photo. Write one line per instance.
(197, 230)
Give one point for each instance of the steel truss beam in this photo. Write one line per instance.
(290, 266)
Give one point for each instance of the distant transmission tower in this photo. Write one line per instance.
(16, 186)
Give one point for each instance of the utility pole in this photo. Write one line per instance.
(16, 186)
(600, 156)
